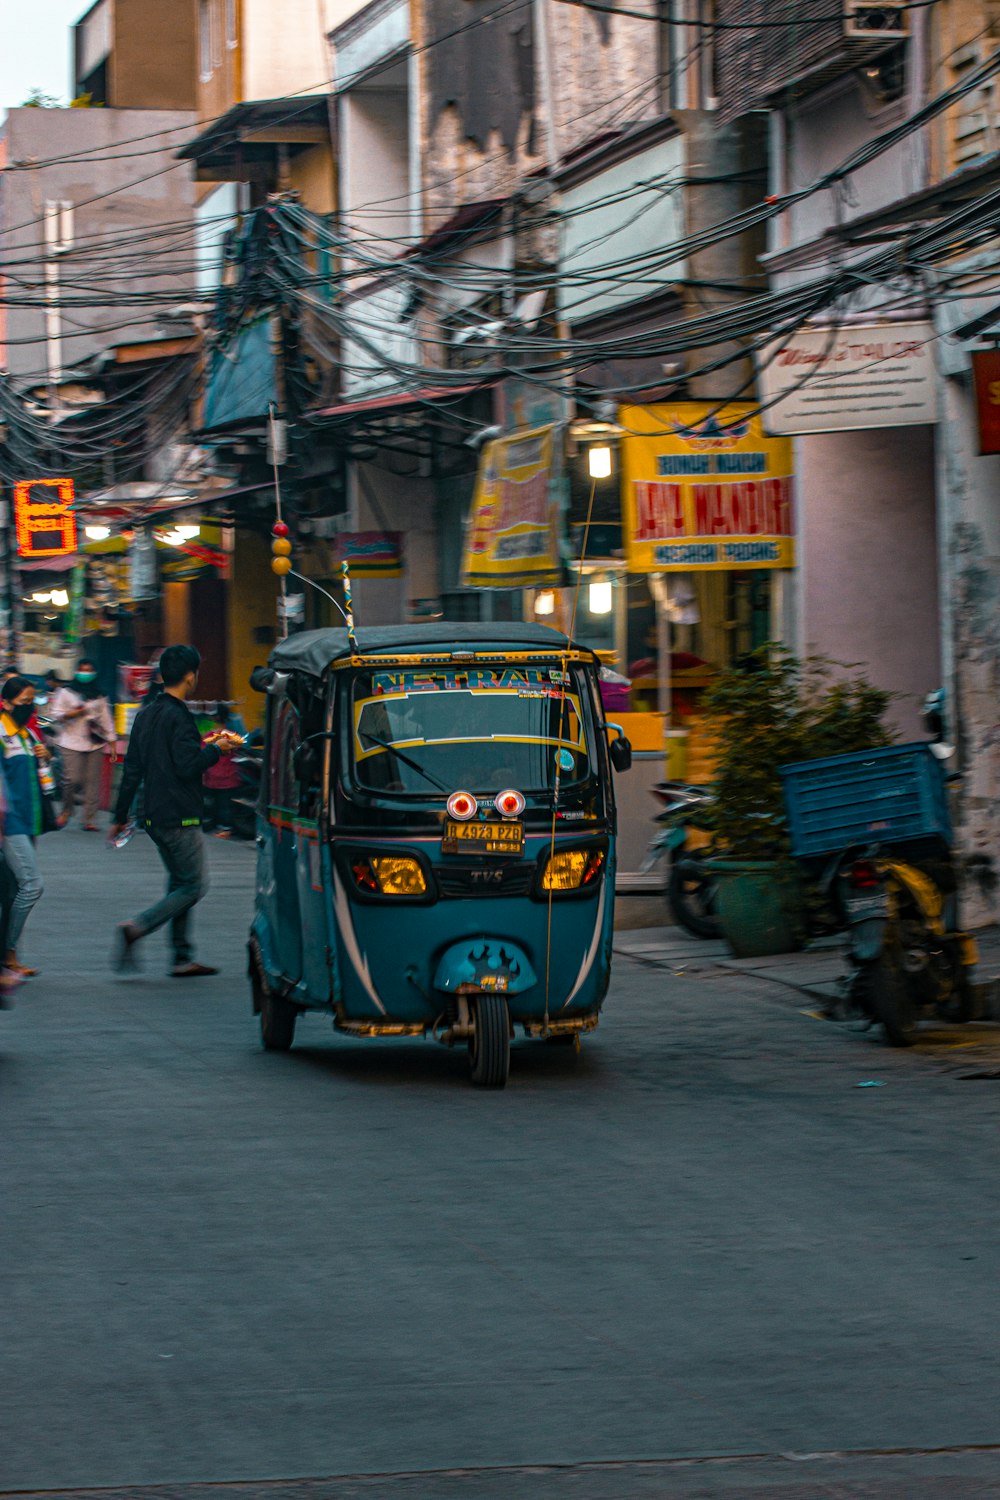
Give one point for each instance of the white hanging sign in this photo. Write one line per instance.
(861, 375)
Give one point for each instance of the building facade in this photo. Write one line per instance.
(898, 567)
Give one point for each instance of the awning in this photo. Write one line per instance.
(61, 564)
(894, 219)
(250, 133)
(401, 401)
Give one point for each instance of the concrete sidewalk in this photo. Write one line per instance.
(816, 972)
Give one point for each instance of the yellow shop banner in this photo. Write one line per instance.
(512, 534)
(704, 487)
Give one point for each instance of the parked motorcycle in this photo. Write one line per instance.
(691, 891)
(909, 956)
(902, 911)
(894, 882)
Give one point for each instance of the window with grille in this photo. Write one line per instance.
(215, 19)
(205, 39)
(974, 121)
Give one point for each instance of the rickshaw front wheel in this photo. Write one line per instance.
(489, 1043)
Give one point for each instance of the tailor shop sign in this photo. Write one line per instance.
(704, 488)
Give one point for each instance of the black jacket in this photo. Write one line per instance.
(165, 752)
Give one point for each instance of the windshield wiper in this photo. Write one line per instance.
(406, 759)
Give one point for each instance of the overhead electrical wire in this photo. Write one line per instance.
(288, 280)
(706, 23)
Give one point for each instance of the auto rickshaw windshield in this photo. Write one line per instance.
(481, 729)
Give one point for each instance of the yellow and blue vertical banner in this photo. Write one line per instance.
(512, 533)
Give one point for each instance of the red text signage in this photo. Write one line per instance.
(986, 374)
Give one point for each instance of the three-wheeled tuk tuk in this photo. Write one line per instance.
(436, 837)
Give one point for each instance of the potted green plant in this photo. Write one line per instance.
(770, 710)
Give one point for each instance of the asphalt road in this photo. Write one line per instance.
(696, 1260)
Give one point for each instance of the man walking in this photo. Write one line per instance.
(166, 753)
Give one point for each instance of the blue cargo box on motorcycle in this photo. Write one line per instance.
(871, 796)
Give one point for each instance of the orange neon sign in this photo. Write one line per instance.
(45, 521)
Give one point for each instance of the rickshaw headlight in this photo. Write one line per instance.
(399, 876)
(572, 869)
(462, 806)
(509, 804)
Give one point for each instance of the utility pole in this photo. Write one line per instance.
(728, 166)
(11, 604)
(58, 231)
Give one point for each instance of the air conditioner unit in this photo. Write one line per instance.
(871, 21)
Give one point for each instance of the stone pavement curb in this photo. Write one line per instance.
(814, 973)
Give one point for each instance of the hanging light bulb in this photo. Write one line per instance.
(545, 603)
(187, 533)
(599, 461)
(600, 596)
(97, 533)
(60, 597)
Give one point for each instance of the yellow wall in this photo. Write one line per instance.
(252, 602)
(176, 612)
(311, 172)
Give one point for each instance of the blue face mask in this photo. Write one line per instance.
(85, 676)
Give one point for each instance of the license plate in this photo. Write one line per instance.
(483, 838)
(860, 907)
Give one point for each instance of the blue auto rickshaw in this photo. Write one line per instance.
(436, 837)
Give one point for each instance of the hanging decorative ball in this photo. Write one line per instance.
(279, 529)
(281, 565)
(281, 546)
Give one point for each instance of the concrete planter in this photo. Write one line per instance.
(759, 906)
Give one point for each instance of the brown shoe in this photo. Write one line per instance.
(191, 971)
(21, 970)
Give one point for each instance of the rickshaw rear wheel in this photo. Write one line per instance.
(277, 1017)
(489, 1044)
(277, 1023)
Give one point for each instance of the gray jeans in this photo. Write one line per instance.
(182, 851)
(23, 861)
(82, 782)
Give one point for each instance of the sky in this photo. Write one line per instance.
(35, 47)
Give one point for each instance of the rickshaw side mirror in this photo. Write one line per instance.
(621, 754)
(261, 679)
(620, 749)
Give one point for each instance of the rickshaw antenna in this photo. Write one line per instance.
(570, 633)
(314, 585)
(280, 529)
(352, 640)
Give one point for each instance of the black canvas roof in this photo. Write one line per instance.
(312, 651)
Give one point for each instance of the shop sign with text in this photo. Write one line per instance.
(856, 377)
(986, 378)
(512, 534)
(704, 488)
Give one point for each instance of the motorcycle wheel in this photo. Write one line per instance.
(891, 1001)
(692, 895)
